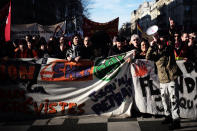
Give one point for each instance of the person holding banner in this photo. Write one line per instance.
(144, 48)
(74, 53)
(118, 48)
(31, 51)
(87, 48)
(21, 52)
(62, 48)
(134, 45)
(163, 56)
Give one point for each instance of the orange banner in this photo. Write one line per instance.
(62, 70)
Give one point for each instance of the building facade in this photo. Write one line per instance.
(181, 11)
(141, 16)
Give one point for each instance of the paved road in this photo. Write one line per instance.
(94, 124)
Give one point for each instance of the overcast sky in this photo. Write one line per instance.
(106, 10)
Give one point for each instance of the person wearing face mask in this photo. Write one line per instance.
(162, 54)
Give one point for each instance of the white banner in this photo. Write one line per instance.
(146, 87)
(20, 31)
(100, 87)
(147, 93)
(106, 87)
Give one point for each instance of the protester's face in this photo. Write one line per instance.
(42, 47)
(172, 23)
(51, 39)
(136, 42)
(75, 40)
(114, 43)
(34, 38)
(21, 46)
(176, 37)
(161, 43)
(61, 40)
(162, 40)
(27, 38)
(144, 46)
(29, 44)
(184, 37)
(119, 44)
(86, 41)
(191, 37)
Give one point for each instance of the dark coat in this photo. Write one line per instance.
(115, 51)
(87, 52)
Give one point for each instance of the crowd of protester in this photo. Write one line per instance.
(76, 48)
(165, 48)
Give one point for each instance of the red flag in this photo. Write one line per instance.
(3, 16)
(8, 25)
(90, 27)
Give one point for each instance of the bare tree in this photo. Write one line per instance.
(86, 8)
(125, 30)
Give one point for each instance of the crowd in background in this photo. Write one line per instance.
(78, 48)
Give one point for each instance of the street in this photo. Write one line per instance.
(95, 123)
